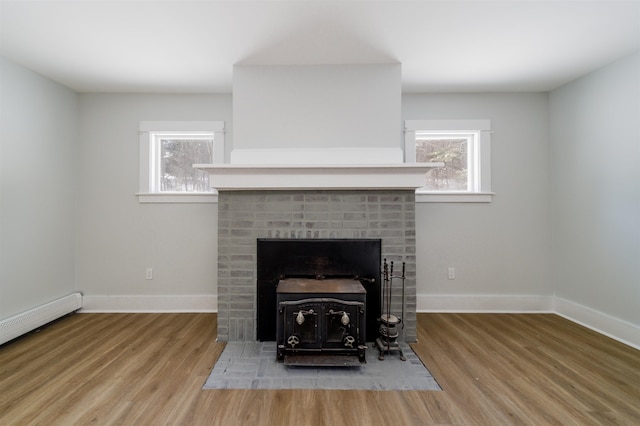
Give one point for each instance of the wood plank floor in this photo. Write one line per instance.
(148, 369)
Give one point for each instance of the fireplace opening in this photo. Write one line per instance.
(321, 260)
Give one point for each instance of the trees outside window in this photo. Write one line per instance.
(453, 152)
(168, 151)
(464, 146)
(177, 156)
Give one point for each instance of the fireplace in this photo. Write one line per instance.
(246, 217)
(312, 175)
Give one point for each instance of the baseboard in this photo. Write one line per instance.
(615, 328)
(154, 303)
(605, 324)
(481, 303)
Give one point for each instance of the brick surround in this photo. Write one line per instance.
(245, 216)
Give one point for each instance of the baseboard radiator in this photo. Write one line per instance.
(24, 322)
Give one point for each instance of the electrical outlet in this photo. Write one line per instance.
(149, 274)
(452, 273)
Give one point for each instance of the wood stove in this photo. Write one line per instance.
(321, 321)
(319, 298)
(282, 259)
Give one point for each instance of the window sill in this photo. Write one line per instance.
(454, 197)
(178, 197)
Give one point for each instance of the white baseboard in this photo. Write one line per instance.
(615, 328)
(480, 303)
(153, 303)
(600, 322)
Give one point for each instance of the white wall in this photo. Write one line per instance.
(596, 194)
(118, 238)
(38, 143)
(315, 106)
(500, 250)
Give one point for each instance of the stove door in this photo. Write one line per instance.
(301, 326)
(342, 325)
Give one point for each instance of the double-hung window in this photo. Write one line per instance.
(168, 151)
(464, 146)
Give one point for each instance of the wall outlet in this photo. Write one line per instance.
(452, 273)
(149, 274)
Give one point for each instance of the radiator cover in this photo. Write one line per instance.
(24, 322)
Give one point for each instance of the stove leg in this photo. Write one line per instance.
(389, 348)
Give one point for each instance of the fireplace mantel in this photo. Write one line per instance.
(230, 177)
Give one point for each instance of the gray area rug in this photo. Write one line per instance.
(253, 365)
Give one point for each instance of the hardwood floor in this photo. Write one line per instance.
(142, 369)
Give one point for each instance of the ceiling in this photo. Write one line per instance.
(191, 46)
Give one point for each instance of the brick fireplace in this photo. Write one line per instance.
(248, 215)
(317, 154)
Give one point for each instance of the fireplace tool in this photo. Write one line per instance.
(388, 340)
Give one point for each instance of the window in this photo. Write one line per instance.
(172, 157)
(464, 148)
(168, 151)
(455, 150)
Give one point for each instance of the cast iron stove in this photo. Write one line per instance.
(321, 322)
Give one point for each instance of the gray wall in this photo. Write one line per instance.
(38, 144)
(564, 222)
(499, 248)
(118, 238)
(596, 193)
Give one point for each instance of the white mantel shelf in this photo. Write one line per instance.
(232, 177)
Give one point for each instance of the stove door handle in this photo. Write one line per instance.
(345, 316)
(300, 315)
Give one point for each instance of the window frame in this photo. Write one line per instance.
(480, 153)
(149, 191)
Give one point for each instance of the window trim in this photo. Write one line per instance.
(482, 192)
(146, 193)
